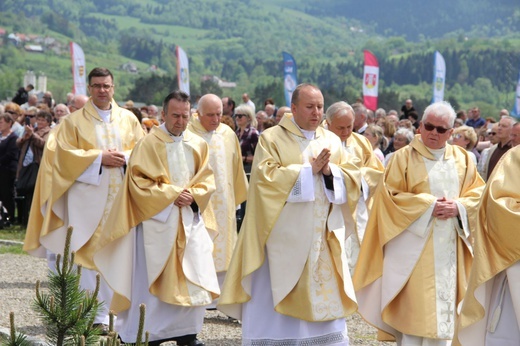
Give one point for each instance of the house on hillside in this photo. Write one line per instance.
(129, 67)
(221, 83)
(33, 48)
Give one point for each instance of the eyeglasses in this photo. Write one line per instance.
(239, 116)
(430, 127)
(101, 86)
(492, 133)
(10, 112)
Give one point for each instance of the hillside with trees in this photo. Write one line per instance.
(242, 41)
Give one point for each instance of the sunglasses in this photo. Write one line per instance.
(492, 133)
(430, 127)
(239, 116)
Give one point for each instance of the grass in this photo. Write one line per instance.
(11, 249)
(14, 232)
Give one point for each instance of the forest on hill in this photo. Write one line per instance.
(242, 41)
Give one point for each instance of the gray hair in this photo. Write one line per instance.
(441, 109)
(338, 109)
(407, 133)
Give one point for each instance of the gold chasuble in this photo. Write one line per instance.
(179, 264)
(304, 241)
(79, 142)
(371, 167)
(225, 159)
(371, 172)
(497, 251)
(412, 269)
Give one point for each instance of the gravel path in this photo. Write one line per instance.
(18, 275)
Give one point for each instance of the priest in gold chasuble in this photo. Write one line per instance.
(289, 280)
(415, 258)
(225, 159)
(155, 249)
(339, 119)
(490, 312)
(92, 146)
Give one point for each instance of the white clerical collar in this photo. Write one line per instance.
(172, 136)
(104, 114)
(437, 153)
(308, 134)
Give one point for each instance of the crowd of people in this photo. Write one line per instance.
(389, 214)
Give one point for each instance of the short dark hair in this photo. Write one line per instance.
(231, 102)
(296, 93)
(46, 115)
(100, 72)
(30, 86)
(176, 95)
(137, 112)
(269, 101)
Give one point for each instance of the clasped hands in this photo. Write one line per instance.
(113, 158)
(445, 209)
(320, 164)
(185, 199)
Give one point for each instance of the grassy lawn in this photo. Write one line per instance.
(15, 233)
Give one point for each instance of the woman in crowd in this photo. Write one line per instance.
(16, 113)
(9, 153)
(466, 137)
(31, 145)
(247, 134)
(402, 137)
(375, 135)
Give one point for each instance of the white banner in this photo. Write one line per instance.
(183, 71)
(439, 77)
(78, 69)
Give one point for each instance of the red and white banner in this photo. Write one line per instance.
(78, 69)
(370, 80)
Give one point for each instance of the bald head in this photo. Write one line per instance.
(210, 111)
(78, 102)
(281, 111)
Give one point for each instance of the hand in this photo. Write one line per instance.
(321, 163)
(185, 199)
(28, 132)
(113, 158)
(445, 209)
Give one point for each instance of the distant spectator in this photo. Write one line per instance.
(269, 123)
(15, 111)
(458, 122)
(70, 97)
(31, 145)
(360, 117)
(376, 137)
(153, 112)
(228, 107)
(247, 134)
(462, 115)
(261, 117)
(504, 113)
(48, 100)
(475, 120)
(129, 104)
(60, 111)
(279, 115)
(380, 113)
(406, 109)
(22, 95)
(270, 110)
(31, 102)
(414, 118)
(402, 138)
(515, 134)
(247, 101)
(466, 137)
(78, 102)
(505, 125)
(9, 153)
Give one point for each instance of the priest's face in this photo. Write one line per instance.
(210, 112)
(342, 125)
(176, 116)
(102, 90)
(432, 127)
(308, 109)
